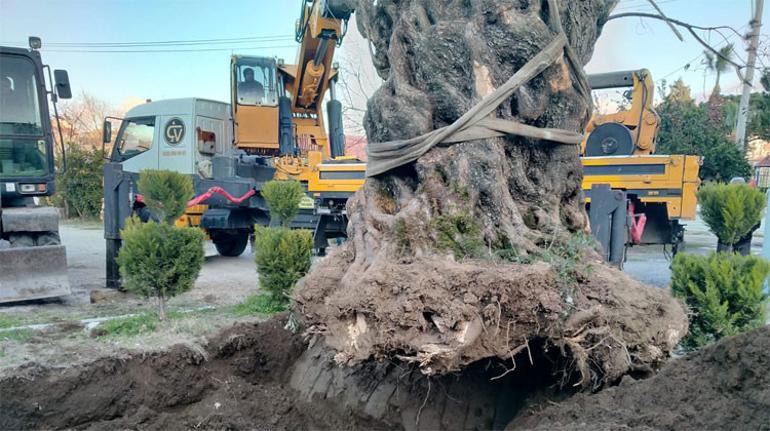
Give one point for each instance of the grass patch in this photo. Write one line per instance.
(17, 335)
(259, 303)
(130, 326)
(133, 325)
(9, 321)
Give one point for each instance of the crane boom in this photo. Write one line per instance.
(320, 29)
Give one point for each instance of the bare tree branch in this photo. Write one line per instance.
(691, 28)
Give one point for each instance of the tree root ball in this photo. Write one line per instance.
(479, 248)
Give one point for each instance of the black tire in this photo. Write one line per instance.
(231, 244)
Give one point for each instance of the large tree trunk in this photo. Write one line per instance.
(480, 247)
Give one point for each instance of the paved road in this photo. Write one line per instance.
(650, 265)
(222, 280)
(228, 280)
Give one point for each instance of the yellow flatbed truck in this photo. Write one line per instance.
(661, 188)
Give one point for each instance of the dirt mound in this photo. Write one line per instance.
(237, 382)
(444, 315)
(724, 386)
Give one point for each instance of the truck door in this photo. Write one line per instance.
(175, 144)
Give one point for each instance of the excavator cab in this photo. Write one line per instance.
(33, 263)
(255, 90)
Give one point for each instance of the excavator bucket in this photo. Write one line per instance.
(33, 273)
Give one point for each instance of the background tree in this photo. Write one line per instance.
(686, 128)
(679, 92)
(79, 189)
(718, 64)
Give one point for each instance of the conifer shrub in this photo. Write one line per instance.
(159, 259)
(731, 211)
(283, 255)
(166, 193)
(724, 291)
(283, 198)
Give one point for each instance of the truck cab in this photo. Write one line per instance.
(182, 135)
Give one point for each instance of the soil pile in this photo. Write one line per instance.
(260, 376)
(724, 386)
(236, 382)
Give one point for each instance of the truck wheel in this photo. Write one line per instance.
(229, 244)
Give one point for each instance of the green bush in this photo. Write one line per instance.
(158, 259)
(731, 210)
(283, 257)
(166, 193)
(283, 198)
(725, 292)
(79, 188)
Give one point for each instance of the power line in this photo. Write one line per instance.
(272, 38)
(726, 40)
(145, 51)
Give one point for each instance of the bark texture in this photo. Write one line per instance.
(480, 247)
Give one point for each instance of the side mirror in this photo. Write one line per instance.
(62, 80)
(106, 132)
(106, 136)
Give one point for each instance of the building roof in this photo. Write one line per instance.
(763, 163)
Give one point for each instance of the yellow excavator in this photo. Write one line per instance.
(278, 118)
(619, 150)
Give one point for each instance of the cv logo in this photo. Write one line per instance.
(174, 131)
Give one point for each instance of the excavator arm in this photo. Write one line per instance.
(632, 131)
(320, 29)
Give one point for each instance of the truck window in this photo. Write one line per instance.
(23, 158)
(19, 103)
(136, 137)
(256, 81)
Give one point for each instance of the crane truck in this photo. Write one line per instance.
(33, 262)
(273, 128)
(619, 151)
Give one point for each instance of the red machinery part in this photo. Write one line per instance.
(638, 221)
(219, 190)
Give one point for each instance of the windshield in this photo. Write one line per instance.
(136, 137)
(23, 158)
(19, 108)
(255, 79)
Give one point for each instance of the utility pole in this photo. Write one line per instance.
(743, 111)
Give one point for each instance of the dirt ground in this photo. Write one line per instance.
(260, 376)
(724, 386)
